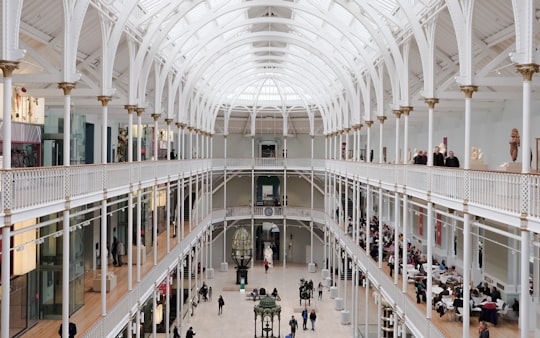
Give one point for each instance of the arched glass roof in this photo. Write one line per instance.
(281, 53)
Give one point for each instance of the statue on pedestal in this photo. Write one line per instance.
(514, 144)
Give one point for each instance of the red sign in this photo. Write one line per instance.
(438, 231)
(163, 288)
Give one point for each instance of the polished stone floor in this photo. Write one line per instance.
(237, 319)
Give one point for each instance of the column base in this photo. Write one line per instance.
(311, 268)
(210, 273)
(224, 267)
(339, 304)
(345, 317)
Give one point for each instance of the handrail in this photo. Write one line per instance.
(26, 189)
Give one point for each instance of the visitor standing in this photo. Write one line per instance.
(114, 251)
(320, 288)
(304, 318)
(121, 251)
(221, 302)
(312, 318)
(294, 325)
(190, 333)
(266, 265)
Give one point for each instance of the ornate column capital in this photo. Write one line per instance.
(67, 87)
(369, 123)
(190, 129)
(8, 67)
(527, 70)
(381, 119)
(468, 90)
(130, 108)
(406, 110)
(104, 100)
(431, 102)
(155, 116)
(397, 113)
(168, 121)
(347, 130)
(139, 111)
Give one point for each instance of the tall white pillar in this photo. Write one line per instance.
(431, 102)
(381, 119)
(468, 91)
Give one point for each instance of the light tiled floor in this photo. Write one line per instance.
(238, 315)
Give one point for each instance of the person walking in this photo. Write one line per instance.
(114, 250)
(304, 318)
(221, 302)
(320, 289)
(294, 325)
(190, 333)
(266, 265)
(391, 262)
(175, 332)
(312, 318)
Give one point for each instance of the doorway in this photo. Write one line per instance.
(53, 150)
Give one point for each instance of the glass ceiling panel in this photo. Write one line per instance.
(197, 13)
(319, 35)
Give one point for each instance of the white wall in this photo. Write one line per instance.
(239, 146)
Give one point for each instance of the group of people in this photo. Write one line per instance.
(439, 159)
(293, 323)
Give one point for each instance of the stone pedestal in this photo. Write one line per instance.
(478, 165)
(327, 282)
(210, 273)
(339, 303)
(345, 317)
(325, 273)
(110, 282)
(134, 254)
(311, 267)
(224, 267)
(512, 167)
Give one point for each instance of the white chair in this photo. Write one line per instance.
(475, 308)
(459, 313)
(503, 311)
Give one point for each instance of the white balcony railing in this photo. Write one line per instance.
(509, 193)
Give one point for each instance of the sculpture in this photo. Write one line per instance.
(474, 153)
(514, 144)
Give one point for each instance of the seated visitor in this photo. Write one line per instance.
(255, 294)
(442, 265)
(485, 289)
(275, 293)
(495, 294)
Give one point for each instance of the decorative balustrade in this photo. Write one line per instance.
(510, 193)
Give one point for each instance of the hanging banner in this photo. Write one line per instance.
(438, 231)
